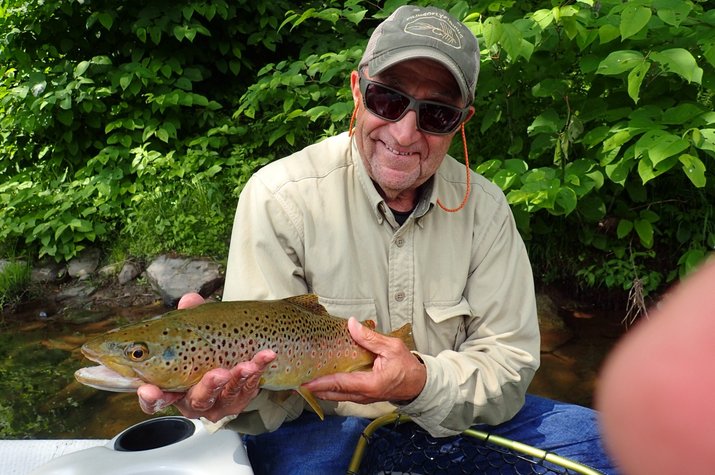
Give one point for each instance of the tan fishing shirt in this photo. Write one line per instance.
(313, 222)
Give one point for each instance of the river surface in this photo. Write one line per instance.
(39, 397)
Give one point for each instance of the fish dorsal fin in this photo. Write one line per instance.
(404, 333)
(308, 302)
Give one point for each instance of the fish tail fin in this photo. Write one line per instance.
(310, 399)
(404, 333)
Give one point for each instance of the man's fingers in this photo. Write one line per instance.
(247, 376)
(152, 399)
(204, 394)
(189, 300)
(219, 392)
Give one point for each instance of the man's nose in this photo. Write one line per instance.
(405, 130)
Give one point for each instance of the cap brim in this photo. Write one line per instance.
(383, 62)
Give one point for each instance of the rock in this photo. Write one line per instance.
(554, 331)
(80, 290)
(48, 272)
(173, 277)
(84, 265)
(130, 271)
(548, 312)
(108, 271)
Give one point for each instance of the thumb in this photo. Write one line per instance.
(189, 300)
(364, 336)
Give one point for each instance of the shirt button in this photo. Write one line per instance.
(400, 242)
(400, 296)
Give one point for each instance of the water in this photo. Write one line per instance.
(39, 354)
(38, 357)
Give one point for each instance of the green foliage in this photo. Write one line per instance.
(14, 279)
(606, 110)
(125, 119)
(192, 220)
(103, 103)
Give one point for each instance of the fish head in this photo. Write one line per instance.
(147, 352)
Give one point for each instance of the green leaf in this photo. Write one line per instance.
(155, 34)
(543, 18)
(672, 12)
(567, 200)
(617, 140)
(709, 54)
(179, 32)
(704, 139)
(694, 169)
(125, 81)
(633, 19)
(635, 79)
(65, 117)
(491, 116)
(644, 229)
(514, 43)
(141, 34)
(680, 62)
(106, 20)
(648, 171)
(625, 226)
(81, 68)
(618, 172)
(608, 33)
(659, 145)
(691, 260)
(619, 62)
(682, 113)
(547, 122)
(592, 208)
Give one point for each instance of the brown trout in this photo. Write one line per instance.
(173, 351)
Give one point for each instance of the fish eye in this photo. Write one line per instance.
(137, 352)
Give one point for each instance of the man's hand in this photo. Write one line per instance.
(397, 375)
(219, 393)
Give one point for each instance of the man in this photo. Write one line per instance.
(359, 219)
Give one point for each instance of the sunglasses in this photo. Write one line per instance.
(392, 105)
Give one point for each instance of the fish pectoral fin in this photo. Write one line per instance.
(310, 399)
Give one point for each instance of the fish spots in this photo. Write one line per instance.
(307, 343)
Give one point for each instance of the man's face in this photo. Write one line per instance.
(398, 156)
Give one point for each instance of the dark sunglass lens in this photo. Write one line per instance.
(438, 119)
(386, 103)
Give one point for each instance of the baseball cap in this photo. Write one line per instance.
(425, 32)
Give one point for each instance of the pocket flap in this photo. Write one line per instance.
(443, 311)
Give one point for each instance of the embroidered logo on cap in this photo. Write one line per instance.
(439, 28)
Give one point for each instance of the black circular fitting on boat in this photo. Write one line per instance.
(154, 433)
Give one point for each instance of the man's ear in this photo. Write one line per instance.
(355, 87)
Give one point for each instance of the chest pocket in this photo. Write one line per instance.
(446, 327)
(362, 309)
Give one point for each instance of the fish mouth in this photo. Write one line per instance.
(104, 378)
(108, 362)
(109, 375)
